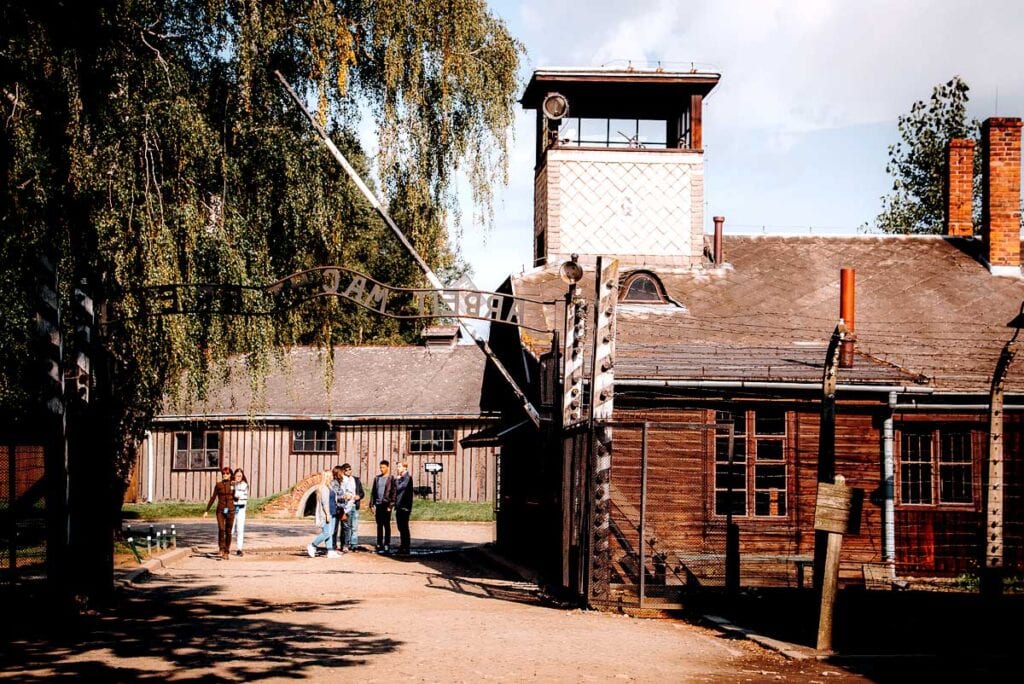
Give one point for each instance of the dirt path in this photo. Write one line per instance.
(436, 616)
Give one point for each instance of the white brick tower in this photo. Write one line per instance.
(620, 165)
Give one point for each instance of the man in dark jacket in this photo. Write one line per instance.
(382, 500)
(403, 504)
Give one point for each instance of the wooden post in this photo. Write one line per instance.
(827, 438)
(828, 591)
(834, 514)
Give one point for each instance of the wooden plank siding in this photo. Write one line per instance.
(265, 453)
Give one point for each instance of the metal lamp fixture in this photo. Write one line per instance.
(570, 271)
(555, 107)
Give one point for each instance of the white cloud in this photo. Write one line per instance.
(796, 132)
(798, 65)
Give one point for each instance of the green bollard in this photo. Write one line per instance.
(135, 551)
(174, 538)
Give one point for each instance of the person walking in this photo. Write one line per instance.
(338, 534)
(224, 495)
(382, 499)
(403, 505)
(352, 529)
(324, 519)
(241, 499)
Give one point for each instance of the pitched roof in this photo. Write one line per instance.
(368, 382)
(927, 313)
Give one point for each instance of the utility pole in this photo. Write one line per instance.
(992, 555)
(827, 438)
(432, 278)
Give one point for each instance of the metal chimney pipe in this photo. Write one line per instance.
(846, 313)
(719, 221)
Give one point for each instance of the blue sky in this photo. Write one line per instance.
(797, 131)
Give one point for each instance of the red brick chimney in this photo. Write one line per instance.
(959, 187)
(1000, 194)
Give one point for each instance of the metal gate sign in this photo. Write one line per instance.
(338, 281)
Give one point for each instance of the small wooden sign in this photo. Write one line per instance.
(838, 508)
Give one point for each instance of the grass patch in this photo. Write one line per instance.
(457, 511)
(161, 510)
(453, 511)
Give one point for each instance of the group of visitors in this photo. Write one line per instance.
(231, 495)
(339, 499)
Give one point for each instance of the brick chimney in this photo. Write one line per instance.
(441, 336)
(1000, 194)
(959, 187)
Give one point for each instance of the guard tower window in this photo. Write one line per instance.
(642, 288)
(616, 133)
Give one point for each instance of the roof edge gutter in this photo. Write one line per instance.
(762, 384)
(234, 417)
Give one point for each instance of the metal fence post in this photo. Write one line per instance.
(643, 512)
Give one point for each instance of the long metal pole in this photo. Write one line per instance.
(643, 513)
(431, 276)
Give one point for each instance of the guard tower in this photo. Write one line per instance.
(620, 165)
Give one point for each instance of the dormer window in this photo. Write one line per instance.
(642, 288)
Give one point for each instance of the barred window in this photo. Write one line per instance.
(315, 442)
(955, 466)
(196, 451)
(758, 478)
(431, 440)
(936, 466)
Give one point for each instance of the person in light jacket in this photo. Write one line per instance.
(352, 524)
(324, 519)
(241, 499)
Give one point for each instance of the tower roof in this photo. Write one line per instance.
(645, 88)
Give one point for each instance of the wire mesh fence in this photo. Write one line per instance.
(22, 512)
(671, 514)
(663, 542)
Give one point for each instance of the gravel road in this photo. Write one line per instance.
(447, 613)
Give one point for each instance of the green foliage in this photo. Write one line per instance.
(147, 143)
(918, 162)
(461, 511)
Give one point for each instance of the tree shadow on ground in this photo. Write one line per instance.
(171, 625)
(472, 572)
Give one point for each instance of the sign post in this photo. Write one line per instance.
(434, 469)
(837, 512)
